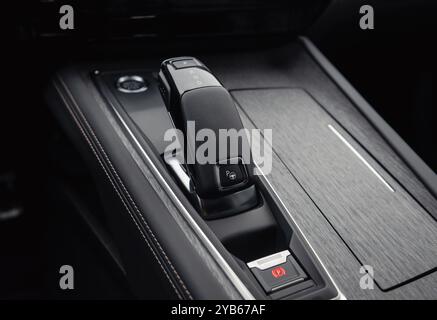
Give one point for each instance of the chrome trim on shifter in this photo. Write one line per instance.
(180, 173)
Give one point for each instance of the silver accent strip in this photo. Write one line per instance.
(270, 261)
(183, 177)
(236, 281)
(360, 157)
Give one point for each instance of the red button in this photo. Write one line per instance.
(278, 272)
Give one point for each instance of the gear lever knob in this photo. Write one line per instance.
(197, 101)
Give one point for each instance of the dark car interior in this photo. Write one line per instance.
(85, 182)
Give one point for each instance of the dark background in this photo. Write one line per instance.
(393, 67)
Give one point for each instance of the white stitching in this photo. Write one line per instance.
(123, 201)
(132, 201)
(142, 218)
(121, 198)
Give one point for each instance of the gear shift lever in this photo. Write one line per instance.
(193, 95)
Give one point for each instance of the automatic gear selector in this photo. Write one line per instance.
(204, 110)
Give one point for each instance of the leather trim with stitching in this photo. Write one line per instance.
(124, 190)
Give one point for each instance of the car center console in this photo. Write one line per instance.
(344, 191)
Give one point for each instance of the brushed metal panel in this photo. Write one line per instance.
(387, 230)
(292, 66)
(334, 253)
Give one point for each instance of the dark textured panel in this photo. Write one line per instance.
(292, 66)
(388, 230)
(336, 256)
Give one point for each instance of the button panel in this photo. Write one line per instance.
(131, 84)
(277, 271)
